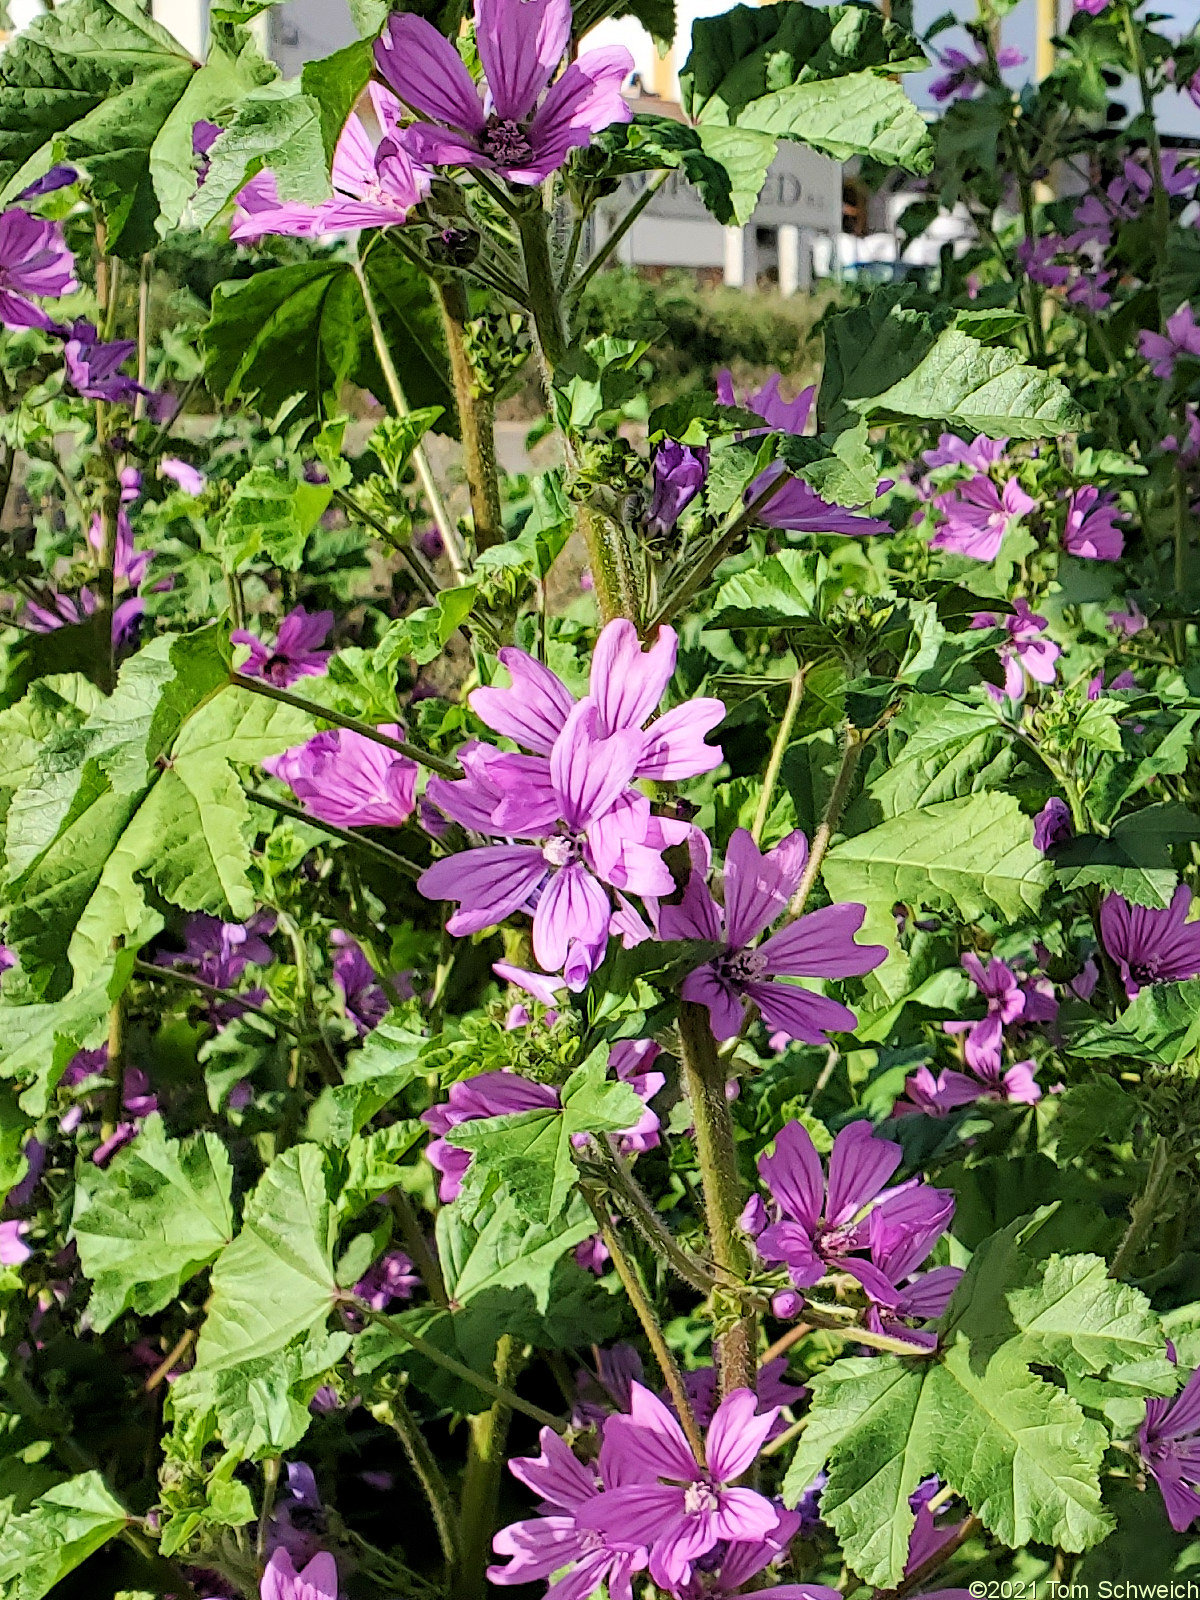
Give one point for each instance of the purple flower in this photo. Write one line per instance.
(63, 611)
(1120, 680)
(390, 1278)
(129, 564)
(35, 1157)
(929, 1536)
(1130, 621)
(743, 1559)
(297, 652)
(818, 1227)
(938, 1096)
(1091, 530)
(94, 367)
(7, 959)
(34, 259)
(363, 995)
(1092, 7)
(773, 1390)
(977, 516)
(317, 1581)
(1151, 944)
(574, 797)
(1036, 258)
(13, 1249)
(663, 1501)
(1024, 651)
(1006, 1001)
(190, 479)
(559, 1537)
(1170, 1451)
(819, 945)
(1182, 338)
(59, 177)
(951, 451)
(1090, 291)
(780, 415)
(679, 474)
(350, 780)
(520, 43)
(964, 74)
(375, 187)
(204, 135)
(592, 1255)
(219, 953)
(1052, 825)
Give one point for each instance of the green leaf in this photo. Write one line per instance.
(150, 1220)
(98, 79)
(38, 1041)
(841, 469)
(822, 76)
(1075, 1317)
(388, 1062)
(275, 1282)
(60, 1530)
(978, 389)
(530, 1152)
(271, 514)
(412, 326)
(1162, 1026)
(940, 749)
(335, 83)
(278, 126)
(970, 855)
(1089, 1113)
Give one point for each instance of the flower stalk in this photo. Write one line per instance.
(476, 418)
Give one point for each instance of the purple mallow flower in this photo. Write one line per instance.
(1037, 260)
(1011, 1002)
(68, 611)
(795, 508)
(375, 186)
(1151, 944)
(980, 455)
(364, 997)
(1169, 1445)
(34, 260)
(58, 177)
(349, 780)
(1024, 652)
(1130, 621)
(558, 1538)
(964, 73)
(13, 1249)
(188, 478)
(296, 653)
(819, 945)
(219, 953)
(1182, 338)
(661, 1501)
(1091, 530)
(317, 1581)
(93, 367)
(390, 1278)
(976, 516)
(501, 128)
(1052, 825)
(679, 474)
(853, 1224)
(574, 797)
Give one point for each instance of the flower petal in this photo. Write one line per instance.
(821, 945)
(859, 1166)
(489, 883)
(520, 43)
(793, 1175)
(758, 887)
(572, 906)
(427, 72)
(627, 682)
(735, 1436)
(533, 711)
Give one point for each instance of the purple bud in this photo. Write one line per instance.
(679, 474)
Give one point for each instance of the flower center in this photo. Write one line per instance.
(741, 966)
(700, 1497)
(506, 141)
(563, 850)
(1145, 969)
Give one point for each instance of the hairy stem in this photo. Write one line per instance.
(147, 969)
(634, 1287)
(778, 751)
(604, 252)
(1161, 202)
(1147, 1208)
(145, 273)
(852, 744)
(394, 1413)
(476, 419)
(433, 495)
(481, 1481)
(712, 558)
(533, 223)
(495, 1391)
(631, 1200)
(618, 593)
(704, 1080)
(415, 1243)
(423, 758)
(409, 869)
(270, 1485)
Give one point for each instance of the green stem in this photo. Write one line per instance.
(704, 1080)
(1147, 1208)
(145, 272)
(1161, 202)
(415, 1243)
(433, 495)
(425, 580)
(778, 751)
(481, 1481)
(622, 228)
(394, 1413)
(147, 969)
(712, 558)
(476, 419)
(852, 744)
(533, 223)
(270, 1485)
(460, 1369)
(423, 758)
(639, 1299)
(631, 1200)
(110, 508)
(618, 593)
(409, 868)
